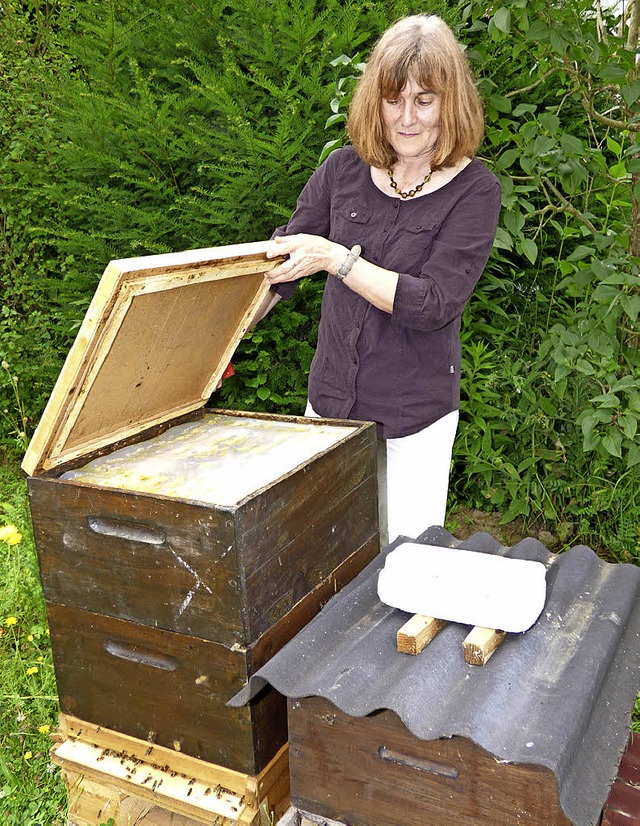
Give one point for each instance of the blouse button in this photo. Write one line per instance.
(354, 214)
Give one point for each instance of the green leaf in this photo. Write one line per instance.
(562, 371)
(337, 118)
(585, 367)
(630, 92)
(612, 443)
(538, 32)
(507, 158)
(550, 122)
(530, 249)
(263, 393)
(524, 108)
(613, 146)
(341, 60)
(500, 103)
(618, 170)
(613, 72)
(580, 252)
(328, 148)
(629, 425)
(625, 383)
(631, 305)
(606, 400)
(518, 507)
(571, 144)
(514, 221)
(558, 42)
(633, 455)
(503, 240)
(502, 19)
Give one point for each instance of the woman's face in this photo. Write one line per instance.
(412, 121)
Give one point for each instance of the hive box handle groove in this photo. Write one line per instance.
(417, 763)
(141, 655)
(126, 530)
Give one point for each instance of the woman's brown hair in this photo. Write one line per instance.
(424, 48)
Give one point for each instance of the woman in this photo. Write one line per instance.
(403, 221)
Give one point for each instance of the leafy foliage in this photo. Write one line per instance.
(563, 136)
(131, 129)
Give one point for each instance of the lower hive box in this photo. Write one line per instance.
(535, 736)
(179, 546)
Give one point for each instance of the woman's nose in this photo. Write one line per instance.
(408, 113)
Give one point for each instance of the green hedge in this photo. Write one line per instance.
(129, 130)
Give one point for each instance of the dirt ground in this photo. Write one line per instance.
(463, 522)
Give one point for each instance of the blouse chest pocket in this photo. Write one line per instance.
(349, 224)
(427, 226)
(412, 242)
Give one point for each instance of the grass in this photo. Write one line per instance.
(31, 789)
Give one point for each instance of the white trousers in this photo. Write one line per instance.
(413, 478)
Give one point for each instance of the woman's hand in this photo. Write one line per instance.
(308, 254)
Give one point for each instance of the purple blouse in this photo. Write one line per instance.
(400, 370)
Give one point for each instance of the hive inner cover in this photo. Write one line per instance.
(218, 459)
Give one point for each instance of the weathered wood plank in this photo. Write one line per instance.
(325, 540)
(303, 611)
(281, 512)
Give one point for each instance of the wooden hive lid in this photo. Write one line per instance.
(153, 345)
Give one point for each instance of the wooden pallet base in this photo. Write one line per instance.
(110, 775)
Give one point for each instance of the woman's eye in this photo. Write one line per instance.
(393, 102)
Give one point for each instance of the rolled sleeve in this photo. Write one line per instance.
(432, 298)
(312, 212)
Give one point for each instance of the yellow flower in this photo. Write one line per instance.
(10, 534)
(28, 755)
(30, 637)
(11, 621)
(32, 670)
(44, 729)
(40, 659)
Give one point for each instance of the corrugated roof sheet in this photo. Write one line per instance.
(559, 695)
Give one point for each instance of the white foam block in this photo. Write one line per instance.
(464, 586)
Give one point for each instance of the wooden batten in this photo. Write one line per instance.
(480, 644)
(417, 633)
(109, 774)
(155, 341)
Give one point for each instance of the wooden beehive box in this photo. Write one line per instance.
(372, 771)
(161, 604)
